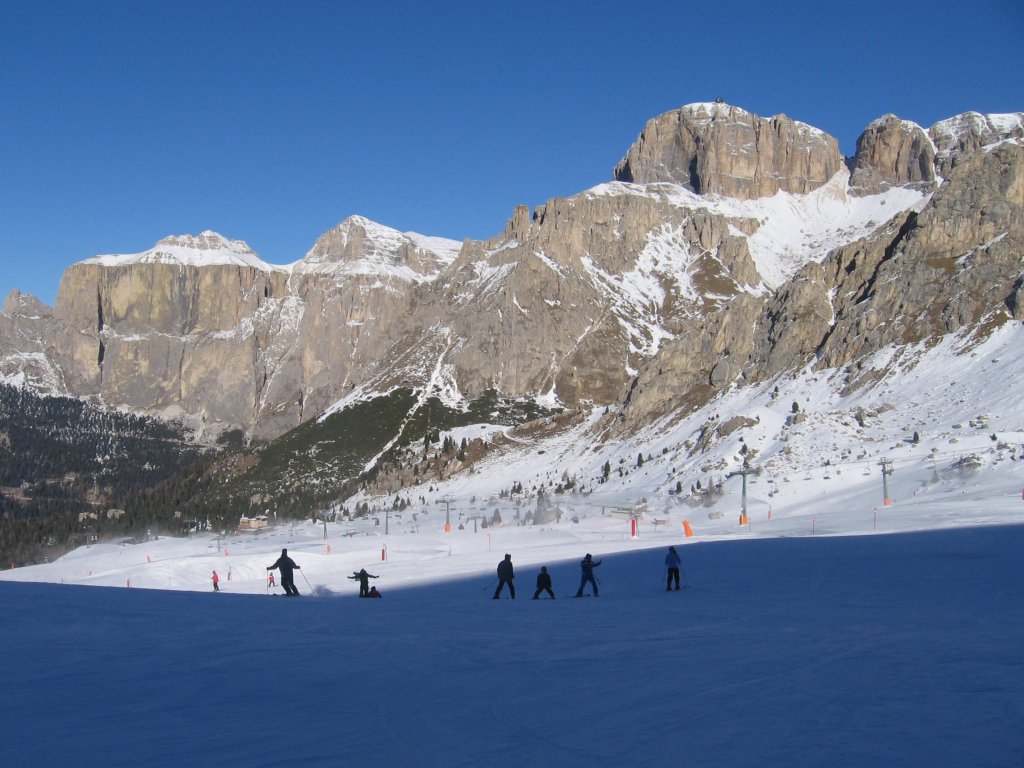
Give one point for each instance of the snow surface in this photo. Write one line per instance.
(894, 650)
(832, 629)
(792, 229)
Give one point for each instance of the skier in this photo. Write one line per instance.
(672, 561)
(287, 567)
(364, 581)
(543, 583)
(270, 580)
(505, 576)
(216, 582)
(587, 565)
(373, 592)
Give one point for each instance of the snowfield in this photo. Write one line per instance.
(898, 650)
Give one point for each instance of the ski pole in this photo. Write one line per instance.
(306, 580)
(489, 586)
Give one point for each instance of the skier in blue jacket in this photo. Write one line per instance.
(672, 562)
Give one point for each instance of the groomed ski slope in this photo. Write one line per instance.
(899, 650)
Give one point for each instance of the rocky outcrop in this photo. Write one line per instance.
(890, 153)
(955, 265)
(960, 137)
(578, 296)
(162, 336)
(722, 149)
(27, 331)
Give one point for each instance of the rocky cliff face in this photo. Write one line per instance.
(955, 264)
(574, 297)
(964, 135)
(890, 153)
(721, 149)
(200, 327)
(649, 292)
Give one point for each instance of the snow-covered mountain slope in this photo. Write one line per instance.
(970, 131)
(205, 249)
(360, 247)
(789, 229)
(935, 415)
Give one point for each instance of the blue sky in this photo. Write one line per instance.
(270, 122)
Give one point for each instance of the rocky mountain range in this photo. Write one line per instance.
(728, 249)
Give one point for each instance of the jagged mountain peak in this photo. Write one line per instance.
(24, 304)
(358, 245)
(968, 132)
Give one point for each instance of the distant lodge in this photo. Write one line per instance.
(252, 523)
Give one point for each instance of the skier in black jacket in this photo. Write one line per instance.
(587, 565)
(505, 576)
(364, 581)
(287, 567)
(543, 583)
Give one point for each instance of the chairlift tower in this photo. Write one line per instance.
(886, 465)
(746, 470)
(447, 500)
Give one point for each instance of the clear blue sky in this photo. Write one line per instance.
(270, 122)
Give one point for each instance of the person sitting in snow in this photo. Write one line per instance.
(505, 576)
(543, 583)
(373, 592)
(587, 565)
(287, 567)
(364, 581)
